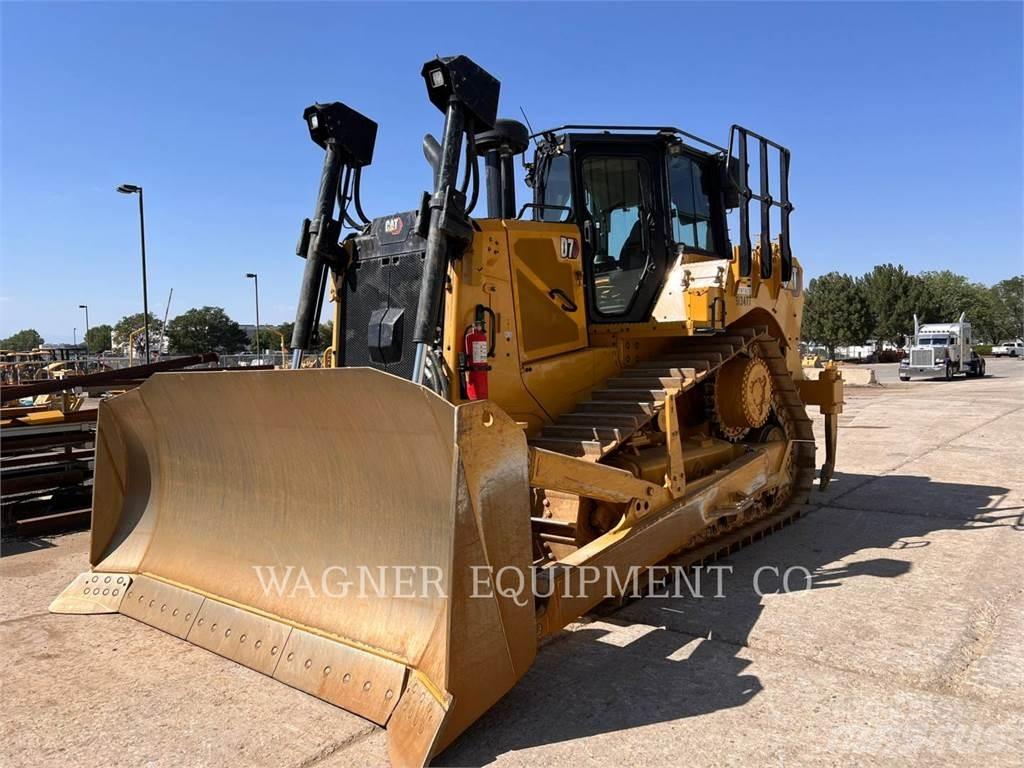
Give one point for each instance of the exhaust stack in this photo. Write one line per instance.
(499, 146)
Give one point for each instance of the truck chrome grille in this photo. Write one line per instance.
(921, 357)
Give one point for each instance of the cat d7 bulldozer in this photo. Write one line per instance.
(524, 409)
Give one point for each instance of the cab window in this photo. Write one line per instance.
(614, 196)
(690, 203)
(555, 190)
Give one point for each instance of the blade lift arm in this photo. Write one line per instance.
(468, 97)
(347, 138)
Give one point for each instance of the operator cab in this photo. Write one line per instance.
(640, 200)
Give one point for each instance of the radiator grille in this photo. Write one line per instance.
(385, 273)
(381, 283)
(922, 357)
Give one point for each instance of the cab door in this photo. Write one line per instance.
(621, 210)
(547, 281)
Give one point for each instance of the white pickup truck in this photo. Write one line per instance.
(1009, 349)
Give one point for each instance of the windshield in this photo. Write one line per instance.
(935, 341)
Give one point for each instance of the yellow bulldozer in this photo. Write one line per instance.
(525, 411)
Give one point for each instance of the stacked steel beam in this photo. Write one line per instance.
(46, 451)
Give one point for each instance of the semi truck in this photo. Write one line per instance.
(942, 349)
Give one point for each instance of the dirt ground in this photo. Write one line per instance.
(904, 648)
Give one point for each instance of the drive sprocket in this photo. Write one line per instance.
(740, 397)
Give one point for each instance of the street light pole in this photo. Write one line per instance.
(256, 283)
(74, 337)
(131, 189)
(86, 337)
(145, 290)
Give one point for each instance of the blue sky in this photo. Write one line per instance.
(905, 122)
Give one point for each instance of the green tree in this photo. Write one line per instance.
(206, 329)
(835, 312)
(983, 312)
(892, 295)
(322, 340)
(131, 323)
(324, 336)
(287, 329)
(22, 341)
(97, 338)
(1009, 297)
(946, 294)
(270, 340)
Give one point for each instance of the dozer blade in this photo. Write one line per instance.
(329, 528)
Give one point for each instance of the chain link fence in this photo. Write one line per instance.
(277, 359)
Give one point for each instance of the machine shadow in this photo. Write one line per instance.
(19, 546)
(659, 659)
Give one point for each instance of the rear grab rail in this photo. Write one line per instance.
(740, 135)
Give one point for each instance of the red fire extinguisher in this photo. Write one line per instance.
(476, 349)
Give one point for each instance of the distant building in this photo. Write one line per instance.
(250, 330)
